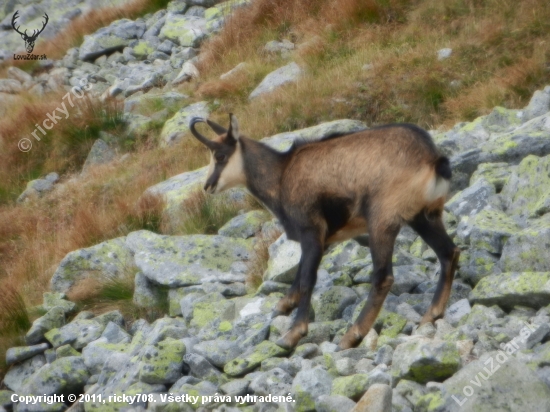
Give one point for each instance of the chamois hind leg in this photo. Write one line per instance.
(382, 238)
(312, 253)
(291, 298)
(432, 231)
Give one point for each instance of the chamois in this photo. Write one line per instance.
(373, 181)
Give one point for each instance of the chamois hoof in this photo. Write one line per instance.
(349, 340)
(290, 339)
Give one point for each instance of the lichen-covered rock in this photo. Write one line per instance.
(457, 311)
(352, 387)
(97, 352)
(329, 304)
(176, 261)
(284, 256)
(18, 375)
(538, 105)
(423, 360)
(283, 141)
(211, 307)
(490, 231)
(472, 200)
(277, 78)
(502, 120)
(276, 381)
(186, 31)
(529, 249)
(215, 16)
(178, 125)
(245, 225)
(148, 294)
(108, 39)
(218, 352)
(110, 259)
(252, 358)
(54, 318)
(527, 193)
(162, 363)
(507, 290)
(65, 375)
(308, 385)
(20, 353)
(78, 333)
(507, 385)
(495, 173)
(53, 299)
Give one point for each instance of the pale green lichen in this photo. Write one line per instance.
(353, 386)
(251, 360)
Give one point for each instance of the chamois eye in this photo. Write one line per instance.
(220, 157)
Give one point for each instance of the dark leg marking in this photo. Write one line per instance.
(312, 252)
(382, 240)
(432, 231)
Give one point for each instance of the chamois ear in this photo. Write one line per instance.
(216, 127)
(233, 133)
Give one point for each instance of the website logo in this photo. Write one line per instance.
(29, 40)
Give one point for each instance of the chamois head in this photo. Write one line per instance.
(226, 166)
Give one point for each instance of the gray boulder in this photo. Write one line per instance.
(538, 105)
(245, 225)
(100, 154)
(186, 31)
(178, 125)
(531, 289)
(110, 259)
(111, 38)
(528, 250)
(507, 385)
(283, 75)
(176, 261)
(422, 360)
(308, 386)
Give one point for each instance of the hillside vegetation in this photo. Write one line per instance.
(374, 61)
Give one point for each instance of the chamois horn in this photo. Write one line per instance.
(207, 142)
(216, 127)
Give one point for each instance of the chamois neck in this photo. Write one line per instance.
(263, 167)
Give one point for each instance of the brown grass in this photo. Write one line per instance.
(501, 55)
(258, 263)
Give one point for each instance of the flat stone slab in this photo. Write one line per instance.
(176, 261)
(252, 358)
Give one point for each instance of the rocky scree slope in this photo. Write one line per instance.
(218, 338)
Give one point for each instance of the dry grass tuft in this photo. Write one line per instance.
(258, 263)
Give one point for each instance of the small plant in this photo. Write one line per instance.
(115, 293)
(206, 214)
(258, 263)
(14, 321)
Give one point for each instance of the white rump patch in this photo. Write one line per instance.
(437, 187)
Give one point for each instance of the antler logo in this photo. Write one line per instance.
(29, 40)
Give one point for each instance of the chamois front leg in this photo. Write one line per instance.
(292, 297)
(432, 230)
(312, 253)
(383, 238)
